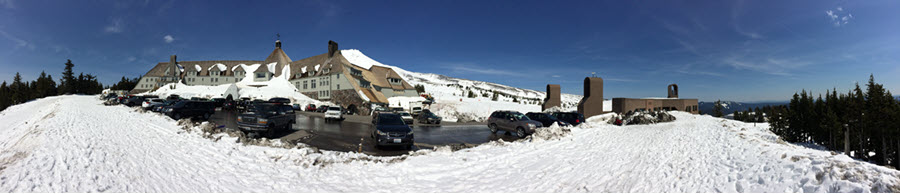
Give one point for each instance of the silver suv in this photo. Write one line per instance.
(512, 121)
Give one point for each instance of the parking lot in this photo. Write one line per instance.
(353, 134)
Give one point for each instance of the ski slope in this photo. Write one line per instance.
(75, 144)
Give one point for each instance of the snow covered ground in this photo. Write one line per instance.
(75, 144)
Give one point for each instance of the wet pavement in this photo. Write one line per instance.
(354, 133)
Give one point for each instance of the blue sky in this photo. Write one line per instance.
(730, 50)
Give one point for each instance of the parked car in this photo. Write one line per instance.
(391, 130)
(149, 102)
(407, 118)
(173, 97)
(243, 103)
(322, 108)
(429, 118)
(136, 100)
(110, 95)
(573, 118)
(279, 100)
(512, 121)
(191, 108)
(219, 102)
(296, 107)
(546, 119)
(311, 108)
(265, 118)
(229, 105)
(415, 111)
(334, 113)
(165, 105)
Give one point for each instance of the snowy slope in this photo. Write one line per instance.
(451, 94)
(74, 144)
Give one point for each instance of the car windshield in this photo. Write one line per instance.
(519, 116)
(390, 119)
(403, 114)
(180, 104)
(334, 108)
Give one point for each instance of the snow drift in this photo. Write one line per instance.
(74, 144)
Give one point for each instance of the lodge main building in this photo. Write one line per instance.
(326, 77)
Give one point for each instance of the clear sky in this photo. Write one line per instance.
(730, 50)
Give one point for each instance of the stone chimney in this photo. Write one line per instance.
(173, 68)
(673, 90)
(553, 98)
(592, 103)
(277, 43)
(332, 48)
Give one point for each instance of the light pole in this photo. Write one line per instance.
(847, 139)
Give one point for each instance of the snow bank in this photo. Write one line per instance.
(403, 101)
(186, 91)
(74, 144)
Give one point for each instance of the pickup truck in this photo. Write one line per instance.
(266, 118)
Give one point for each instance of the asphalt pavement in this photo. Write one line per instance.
(354, 133)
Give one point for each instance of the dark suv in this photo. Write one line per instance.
(266, 118)
(546, 119)
(573, 118)
(391, 130)
(191, 108)
(512, 121)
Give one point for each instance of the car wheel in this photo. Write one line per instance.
(493, 128)
(205, 116)
(438, 122)
(520, 132)
(177, 116)
(409, 147)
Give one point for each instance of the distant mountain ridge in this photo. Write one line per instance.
(729, 107)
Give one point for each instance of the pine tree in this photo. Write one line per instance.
(67, 84)
(19, 91)
(717, 109)
(5, 100)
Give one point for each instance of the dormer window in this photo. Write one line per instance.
(355, 72)
(395, 80)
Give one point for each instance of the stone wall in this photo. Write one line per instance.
(345, 98)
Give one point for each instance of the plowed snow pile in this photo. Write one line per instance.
(75, 144)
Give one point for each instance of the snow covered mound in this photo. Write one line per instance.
(74, 144)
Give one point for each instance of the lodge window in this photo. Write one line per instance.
(260, 75)
(313, 83)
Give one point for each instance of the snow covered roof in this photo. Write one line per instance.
(271, 67)
(220, 66)
(359, 59)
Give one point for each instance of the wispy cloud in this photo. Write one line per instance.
(20, 43)
(116, 26)
(488, 71)
(735, 14)
(8, 4)
(772, 66)
(839, 17)
(168, 38)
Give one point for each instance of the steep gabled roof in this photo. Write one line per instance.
(277, 56)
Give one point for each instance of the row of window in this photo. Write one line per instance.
(214, 73)
(324, 94)
(214, 79)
